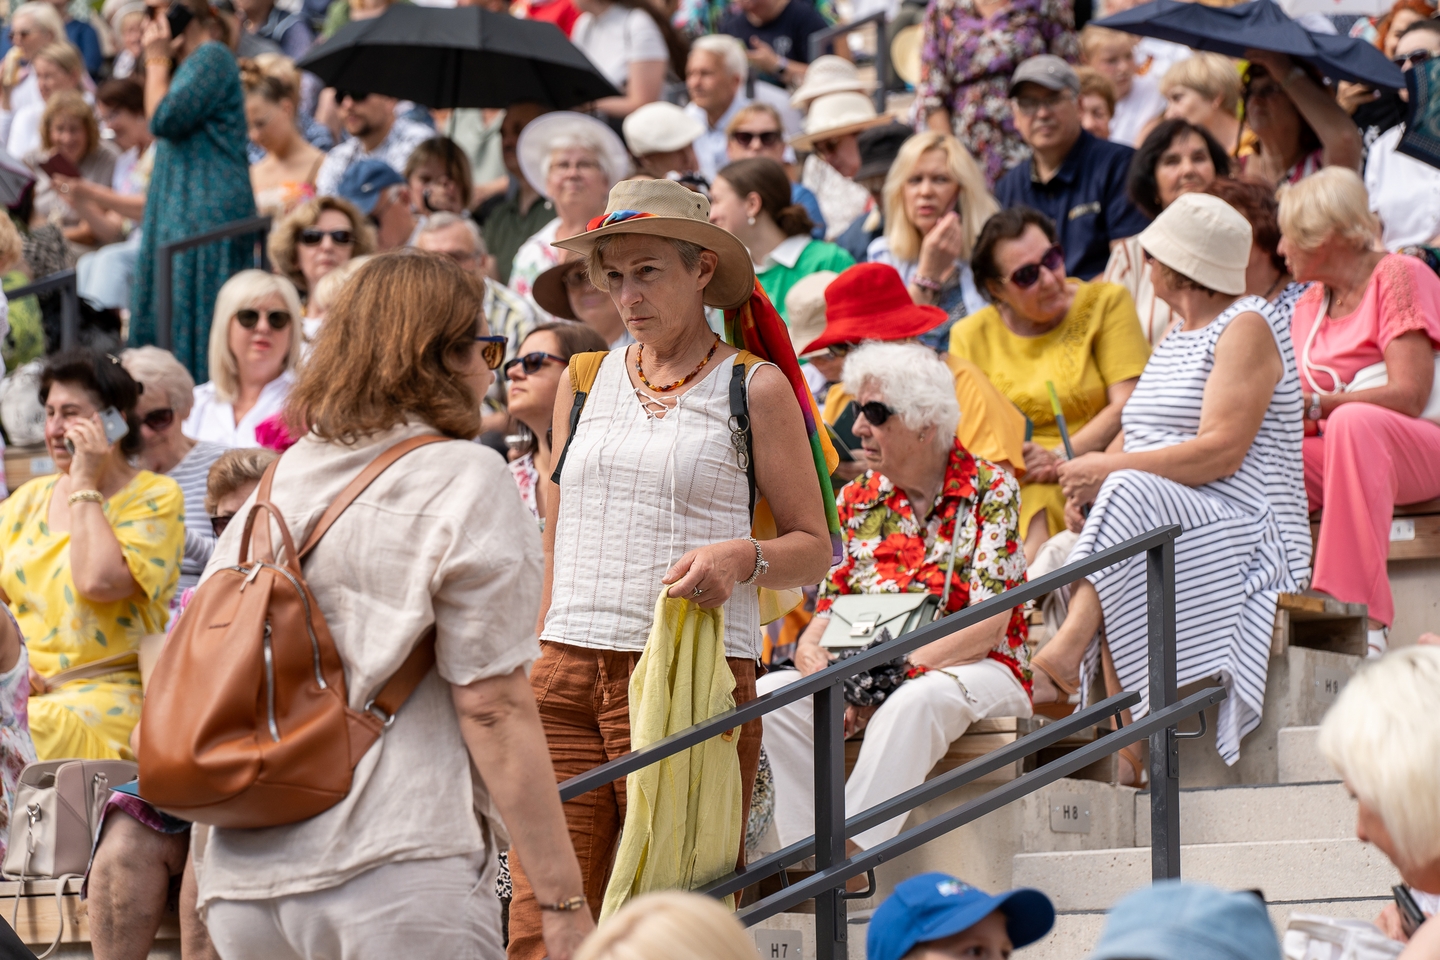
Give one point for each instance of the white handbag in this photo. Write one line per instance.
(1366, 378)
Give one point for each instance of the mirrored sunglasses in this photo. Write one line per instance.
(492, 350)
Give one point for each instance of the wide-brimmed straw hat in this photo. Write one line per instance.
(663, 208)
(869, 302)
(541, 135)
(549, 291)
(805, 308)
(836, 114)
(905, 53)
(829, 74)
(1203, 238)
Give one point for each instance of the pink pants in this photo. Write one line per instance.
(1369, 459)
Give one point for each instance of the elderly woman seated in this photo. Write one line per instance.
(928, 517)
(1212, 443)
(1365, 337)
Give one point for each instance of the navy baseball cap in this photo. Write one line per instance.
(364, 180)
(1188, 921)
(932, 906)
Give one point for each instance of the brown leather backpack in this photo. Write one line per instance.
(246, 720)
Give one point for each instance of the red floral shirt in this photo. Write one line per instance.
(889, 550)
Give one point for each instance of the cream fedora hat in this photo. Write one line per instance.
(663, 208)
(829, 74)
(1203, 238)
(836, 114)
(805, 305)
(541, 135)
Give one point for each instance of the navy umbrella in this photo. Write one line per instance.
(457, 57)
(1259, 25)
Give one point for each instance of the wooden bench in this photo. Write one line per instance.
(1321, 623)
(1414, 532)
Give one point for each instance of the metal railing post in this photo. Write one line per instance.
(830, 921)
(164, 296)
(69, 316)
(1164, 747)
(819, 38)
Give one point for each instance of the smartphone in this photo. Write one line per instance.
(58, 164)
(844, 427)
(115, 427)
(179, 16)
(1410, 914)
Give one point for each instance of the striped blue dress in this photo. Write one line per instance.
(1246, 537)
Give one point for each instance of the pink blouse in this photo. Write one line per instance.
(1403, 295)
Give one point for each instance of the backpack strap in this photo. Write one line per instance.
(740, 431)
(584, 368)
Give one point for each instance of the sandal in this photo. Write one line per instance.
(1069, 690)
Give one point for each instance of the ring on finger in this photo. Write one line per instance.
(697, 592)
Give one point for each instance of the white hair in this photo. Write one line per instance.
(1382, 736)
(444, 220)
(582, 140)
(157, 369)
(44, 16)
(729, 49)
(912, 379)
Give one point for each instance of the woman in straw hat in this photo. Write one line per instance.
(652, 495)
(1212, 443)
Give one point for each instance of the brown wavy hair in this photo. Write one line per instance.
(391, 349)
(285, 234)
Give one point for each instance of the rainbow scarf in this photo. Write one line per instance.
(756, 327)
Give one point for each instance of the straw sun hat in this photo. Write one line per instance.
(663, 208)
(829, 74)
(1203, 238)
(836, 114)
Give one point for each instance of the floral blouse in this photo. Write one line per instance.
(965, 65)
(889, 550)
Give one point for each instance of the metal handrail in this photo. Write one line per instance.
(64, 281)
(819, 38)
(165, 267)
(833, 868)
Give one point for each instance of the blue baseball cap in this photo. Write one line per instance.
(932, 906)
(1188, 921)
(364, 180)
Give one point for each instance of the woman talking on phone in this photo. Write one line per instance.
(89, 558)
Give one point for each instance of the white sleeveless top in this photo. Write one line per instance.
(637, 493)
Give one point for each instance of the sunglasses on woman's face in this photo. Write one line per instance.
(218, 524)
(158, 420)
(1028, 275)
(840, 351)
(1412, 59)
(532, 362)
(747, 138)
(876, 413)
(492, 350)
(278, 319)
(311, 237)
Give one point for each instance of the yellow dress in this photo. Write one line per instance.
(89, 718)
(1099, 343)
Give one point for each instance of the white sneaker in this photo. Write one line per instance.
(1379, 642)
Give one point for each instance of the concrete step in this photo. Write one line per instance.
(1299, 758)
(1295, 811)
(1284, 870)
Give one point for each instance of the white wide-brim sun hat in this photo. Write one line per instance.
(547, 132)
(660, 127)
(836, 114)
(1203, 238)
(829, 74)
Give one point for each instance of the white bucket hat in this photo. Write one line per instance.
(829, 74)
(540, 136)
(805, 306)
(836, 114)
(1203, 238)
(660, 127)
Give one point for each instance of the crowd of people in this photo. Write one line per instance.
(738, 338)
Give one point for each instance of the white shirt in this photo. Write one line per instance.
(1404, 192)
(213, 419)
(617, 38)
(395, 149)
(1143, 104)
(1153, 57)
(710, 148)
(786, 253)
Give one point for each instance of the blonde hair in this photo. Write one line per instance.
(671, 925)
(1331, 203)
(232, 470)
(1382, 737)
(63, 55)
(245, 289)
(1208, 74)
(157, 369)
(68, 103)
(1093, 38)
(754, 109)
(1093, 82)
(44, 16)
(12, 248)
(975, 201)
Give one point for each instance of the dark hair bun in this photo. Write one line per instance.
(794, 221)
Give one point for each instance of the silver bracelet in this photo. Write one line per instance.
(761, 564)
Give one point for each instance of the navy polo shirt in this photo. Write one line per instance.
(1086, 198)
(788, 34)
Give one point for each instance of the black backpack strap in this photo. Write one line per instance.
(575, 408)
(740, 434)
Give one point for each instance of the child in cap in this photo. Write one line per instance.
(934, 916)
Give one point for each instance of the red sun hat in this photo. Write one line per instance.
(869, 302)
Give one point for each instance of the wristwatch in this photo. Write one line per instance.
(1313, 412)
(782, 63)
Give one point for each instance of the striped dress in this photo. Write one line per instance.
(1246, 538)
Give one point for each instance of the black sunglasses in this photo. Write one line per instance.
(218, 524)
(747, 138)
(492, 350)
(278, 319)
(342, 95)
(841, 350)
(875, 412)
(158, 420)
(1028, 275)
(311, 237)
(1412, 59)
(532, 362)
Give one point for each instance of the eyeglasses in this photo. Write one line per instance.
(875, 412)
(1029, 106)
(826, 147)
(158, 420)
(576, 279)
(532, 362)
(218, 524)
(841, 350)
(1412, 59)
(1028, 275)
(747, 138)
(312, 237)
(342, 95)
(492, 350)
(278, 319)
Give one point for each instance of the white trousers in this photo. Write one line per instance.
(908, 734)
(411, 908)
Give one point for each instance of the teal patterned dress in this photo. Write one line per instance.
(201, 181)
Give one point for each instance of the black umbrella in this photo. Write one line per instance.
(1259, 25)
(457, 57)
(1421, 138)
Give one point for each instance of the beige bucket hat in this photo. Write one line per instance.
(663, 208)
(805, 306)
(836, 114)
(1203, 238)
(829, 74)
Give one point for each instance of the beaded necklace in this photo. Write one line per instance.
(640, 371)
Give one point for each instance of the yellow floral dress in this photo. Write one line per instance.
(89, 718)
